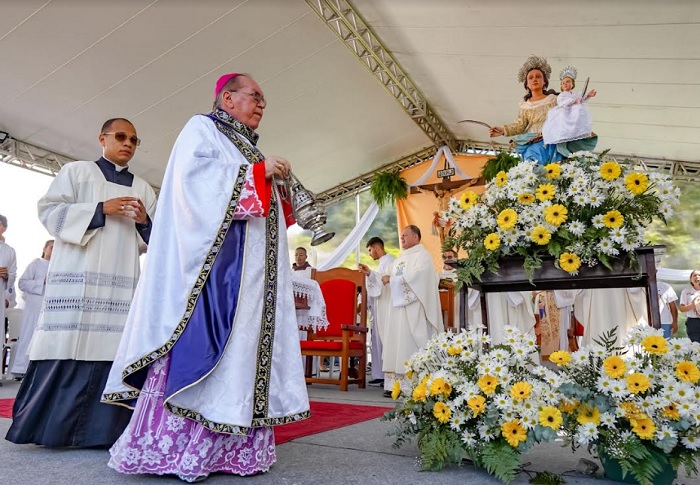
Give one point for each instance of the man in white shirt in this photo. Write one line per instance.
(379, 302)
(667, 304)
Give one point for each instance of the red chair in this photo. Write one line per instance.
(346, 336)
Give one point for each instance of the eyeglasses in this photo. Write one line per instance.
(121, 137)
(259, 98)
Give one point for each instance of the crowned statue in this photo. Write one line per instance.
(527, 129)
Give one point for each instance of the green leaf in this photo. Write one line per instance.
(387, 187)
(501, 459)
(547, 478)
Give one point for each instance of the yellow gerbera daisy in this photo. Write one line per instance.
(610, 170)
(568, 406)
(507, 219)
(613, 219)
(687, 371)
(520, 391)
(560, 357)
(440, 386)
(637, 383)
(454, 350)
(526, 198)
(545, 192)
(468, 199)
(442, 412)
(501, 178)
(644, 428)
(556, 214)
(569, 262)
(671, 412)
(492, 242)
(552, 171)
(631, 410)
(513, 432)
(614, 366)
(636, 182)
(477, 404)
(488, 384)
(655, 344)
(540, 235)
(550, 417)
(396, 390)
(420, 393)
(588, 414)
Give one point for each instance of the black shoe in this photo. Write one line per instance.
(376, 382)
(387, 394)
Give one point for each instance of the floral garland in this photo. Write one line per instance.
(581, 211)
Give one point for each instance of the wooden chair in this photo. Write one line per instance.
(346, 336)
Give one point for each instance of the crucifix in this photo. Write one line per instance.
(442, 191)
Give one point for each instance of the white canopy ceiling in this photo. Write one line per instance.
(68, 65)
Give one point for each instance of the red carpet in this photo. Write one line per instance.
(326, 416)
(6, 408)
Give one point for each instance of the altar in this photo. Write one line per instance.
(309, 304)
(512, 277)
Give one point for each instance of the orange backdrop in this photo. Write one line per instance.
(418, 209)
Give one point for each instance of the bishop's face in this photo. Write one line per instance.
(246, 103)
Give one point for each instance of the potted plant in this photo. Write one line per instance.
(502, 162)
(387, 187)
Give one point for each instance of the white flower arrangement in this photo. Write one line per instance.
(582, 211)
(461, 397)
(641, 408)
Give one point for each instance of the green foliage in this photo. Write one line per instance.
(439, 448)
(387, 187)
(500, 459)
(638, 460)
(547, 478)
(504, 161)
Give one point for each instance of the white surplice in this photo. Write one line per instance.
(512, 308)
(379, 296)
(31, 283)
(415, 316)
(8, 259)
(204, 170)
(600, 310)
(93, 272)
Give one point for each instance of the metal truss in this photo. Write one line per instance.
(342, 18)
(679, 170)
(32, 157)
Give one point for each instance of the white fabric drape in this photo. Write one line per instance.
(349, 244)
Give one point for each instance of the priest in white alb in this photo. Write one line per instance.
(100, 214)
(379, 302)
(32, 284)
(415, 316)
(601, 310)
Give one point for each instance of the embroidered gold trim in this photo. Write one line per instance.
(191, 300)
(261, 395)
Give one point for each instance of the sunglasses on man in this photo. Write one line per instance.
(121, 137)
